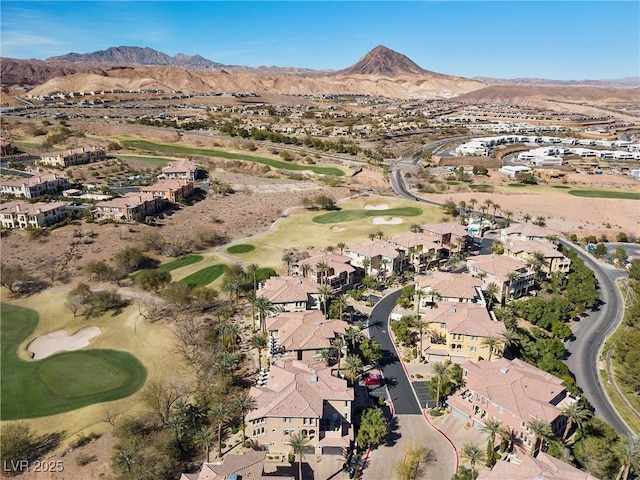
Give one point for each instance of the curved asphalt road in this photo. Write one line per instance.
(399, 387)
(590, 333)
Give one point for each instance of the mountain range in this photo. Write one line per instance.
(381, 71)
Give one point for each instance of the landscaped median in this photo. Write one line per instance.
(161, 148)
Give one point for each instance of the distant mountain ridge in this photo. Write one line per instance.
(626, 82)
(139, 56)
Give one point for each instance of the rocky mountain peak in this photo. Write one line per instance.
(384, 61)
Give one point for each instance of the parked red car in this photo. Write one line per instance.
(373, 379)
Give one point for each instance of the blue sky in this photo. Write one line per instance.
(505, 39)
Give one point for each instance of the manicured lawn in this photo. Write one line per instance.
(481, 187)
(517, 185)
(605, 194)
(350, 215)
(205, 276)
(155, 161)
(241, 248)
(180, 262)
(563, 187)
(62, 382)
(263, 273)
(206, 152)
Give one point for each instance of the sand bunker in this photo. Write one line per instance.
(386, 220)
(382, 206)
(336, 229)
(60, 340)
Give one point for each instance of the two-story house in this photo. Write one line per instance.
(448, 287)
(458, 331)
(172, 190)
(542, 467)
(327, 268)
(36, 215)
(35, 186)
(302, 335)
(76, 156)
(235, 466)
(514, 393)
(451, 235)
(185, 169)
(130, 207)
(552, 259)
(512, 276)
(525, 231)
(375, 258)
(291, 294)
(301, 397)
(420, 249)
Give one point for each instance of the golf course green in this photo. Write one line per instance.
(62, 382)
(350, 215)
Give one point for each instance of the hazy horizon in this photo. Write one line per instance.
(509, 39)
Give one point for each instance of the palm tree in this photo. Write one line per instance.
(496, 207)
(353, 335)
(536, 261)
(219, 414)
(326, 354)
(341, 246)
(298, 442)
(232, 287)
(366, 263)
(629, 454)
(526, 217)
(264, 307)
(511, 338)
(441, 371)
(415, 228)
(338, 345)
(419, 293)
(352, 367)
(322, 267)
(379, 234)
(306, 268)
(512, 439)
(243, 403)
(205, 438)
(508, 216)
(372, 236)
(383, 263)
(252, 271)
(288, 259)
(473, 453)
(512, 277)
(326, 292)
(575, 415)
(259, 342)
(542, 433)
(492, 343)
(341, 303)
(540, 221)
(421, 324)
(473, 202)
(492, 290)
(492, 428)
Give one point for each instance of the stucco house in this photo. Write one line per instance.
(36, 186)
(553, 259)
(129, 207)
(172, 190)
(301, 397)
(291, 294)
(302, 335)
(339, 273)
(451, 235)
(457, 332)
(234, 466)
(375, 258)
(76, 156)
(36, 215)
(497, 269)
(525, 231)
(420, 249)
(448, 287)
(185, 169)
(514, 393)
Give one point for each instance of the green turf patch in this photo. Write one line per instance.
(207, 152)
(180, 262)
(264, 273)
(205, 276)
(350, 215)
(241, 248)
(517, 185)
(155, 161)
(452, 182)
(564, 187)
(481, 187)
(605, 194)
(62, 382)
